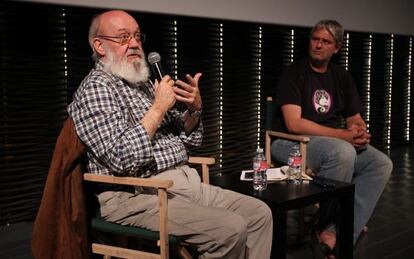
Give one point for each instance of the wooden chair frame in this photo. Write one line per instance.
(162, 186)
(270, 134)
(303, 140)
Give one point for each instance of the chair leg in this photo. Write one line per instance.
(183, 252)
(306, 226)
(301, 227)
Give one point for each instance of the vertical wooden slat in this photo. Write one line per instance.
(164, 245)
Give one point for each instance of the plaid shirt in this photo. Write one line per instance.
(107, 110)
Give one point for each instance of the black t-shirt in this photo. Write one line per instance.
(326, 98)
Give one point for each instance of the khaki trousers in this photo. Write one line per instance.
(221, 223)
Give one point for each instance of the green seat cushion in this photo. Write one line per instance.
(97, 223)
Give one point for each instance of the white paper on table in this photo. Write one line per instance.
(273, 174)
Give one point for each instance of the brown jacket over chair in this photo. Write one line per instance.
(60, 228)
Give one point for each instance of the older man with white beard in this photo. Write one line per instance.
(132, 127)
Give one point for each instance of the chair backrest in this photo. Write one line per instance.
(270, 112)
(274, 117)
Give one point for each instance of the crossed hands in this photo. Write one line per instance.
(360, 135)
(168, 91)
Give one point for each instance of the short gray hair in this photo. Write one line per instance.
(93, 32)
(333, 27)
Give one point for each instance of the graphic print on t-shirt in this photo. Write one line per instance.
(321, 101)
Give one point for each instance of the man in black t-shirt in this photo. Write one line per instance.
(324, 97)
(320, 99)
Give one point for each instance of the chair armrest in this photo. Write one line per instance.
(293, 137)
(134, 181)
(205, 162)
(201, 160)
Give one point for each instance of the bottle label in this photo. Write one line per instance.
(263, 165)
(294, 161)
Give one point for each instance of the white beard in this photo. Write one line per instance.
(135, 72)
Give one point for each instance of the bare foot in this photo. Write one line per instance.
(365, 229)
(326, 244)
(329, 238)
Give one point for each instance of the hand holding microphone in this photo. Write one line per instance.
(164, 94)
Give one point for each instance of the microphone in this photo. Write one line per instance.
(155, 61)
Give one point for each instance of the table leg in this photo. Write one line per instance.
(345, 246)
(279, 241)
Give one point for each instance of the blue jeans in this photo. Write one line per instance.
(337, 159)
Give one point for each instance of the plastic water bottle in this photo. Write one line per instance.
(295, 165)
(259, 171)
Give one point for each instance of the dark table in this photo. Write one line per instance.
(281, 197)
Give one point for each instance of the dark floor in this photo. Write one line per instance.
(15, 241)
(391, 228)
(390, 235)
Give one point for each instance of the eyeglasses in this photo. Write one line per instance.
(324, 42)
(124, 38)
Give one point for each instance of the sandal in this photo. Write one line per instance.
(321, 250)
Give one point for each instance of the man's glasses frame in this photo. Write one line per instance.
(324, 42)
(125, 38)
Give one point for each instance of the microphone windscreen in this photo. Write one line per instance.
(154, 57)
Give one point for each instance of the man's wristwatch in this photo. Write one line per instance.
(194, 113)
